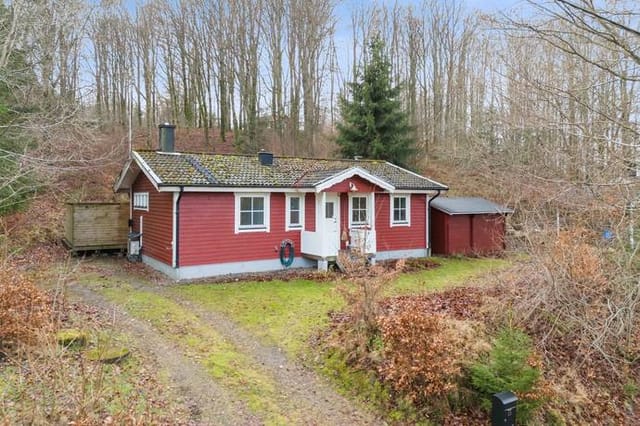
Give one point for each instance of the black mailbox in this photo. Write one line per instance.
(503, 411)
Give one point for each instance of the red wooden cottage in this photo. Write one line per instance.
(466, 225)
(210, 214)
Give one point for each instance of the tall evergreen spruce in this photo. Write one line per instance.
(373, 123)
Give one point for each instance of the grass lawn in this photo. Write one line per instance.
(288, 313)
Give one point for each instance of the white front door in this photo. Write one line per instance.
(331, 214)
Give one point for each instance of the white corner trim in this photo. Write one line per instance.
(346, 174)
(266, 215)
(287, 211)
(392, 197)
(174, 230)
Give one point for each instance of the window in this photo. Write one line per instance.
(400, 210)
(252, 212)
(358, 210)
(328, 210)
(141, 201)
(294, 211)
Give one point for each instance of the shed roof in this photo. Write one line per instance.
(468, 205)
(223, 170)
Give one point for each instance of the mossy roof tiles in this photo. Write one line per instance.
(223, 170)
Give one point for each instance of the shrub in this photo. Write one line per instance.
(510, 366)
(421, 356)
(581, 298)
(362, 289)
(24, 308)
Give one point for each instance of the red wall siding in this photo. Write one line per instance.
(400, 237)
(207, 225)
(467, 234)
(310, 212)
(488, 233)
(362, 185)
(157, 231)
(439, 225)
(344, 219)
(458, 230)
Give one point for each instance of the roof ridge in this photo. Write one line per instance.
(276, 156)
(194, 153)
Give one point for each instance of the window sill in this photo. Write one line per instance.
(396, 224)
(364, 226)
(261, 229)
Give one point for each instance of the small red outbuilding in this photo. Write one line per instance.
(466, 225)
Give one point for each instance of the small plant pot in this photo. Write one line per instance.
(108, 355)
(71, 338)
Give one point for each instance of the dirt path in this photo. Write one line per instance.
(208, 403)
(299, 388)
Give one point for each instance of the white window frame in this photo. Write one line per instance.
(369, 210)
(393, 222)
(140, 201)
(267, 207)
(288, 225)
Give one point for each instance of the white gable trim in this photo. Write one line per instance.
(153, 178)
(353, 171)
(128, 171)
(125, 170)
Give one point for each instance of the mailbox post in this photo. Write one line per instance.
(503, 410)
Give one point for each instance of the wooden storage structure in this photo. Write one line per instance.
(96, 226)
(467, 226)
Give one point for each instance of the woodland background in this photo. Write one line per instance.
(535, 107)
(543, 95)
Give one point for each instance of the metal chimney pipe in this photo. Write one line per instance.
(265, 158)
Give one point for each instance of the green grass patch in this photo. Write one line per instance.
(223, 361)
(452, 272)
(289, 313)
(285, 313)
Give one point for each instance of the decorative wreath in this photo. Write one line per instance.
(287, 253)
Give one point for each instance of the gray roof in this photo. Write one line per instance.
(468, 205)
(223, 170)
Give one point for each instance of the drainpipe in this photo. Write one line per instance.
(176, 236)
(131, 209)
(429, 200)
